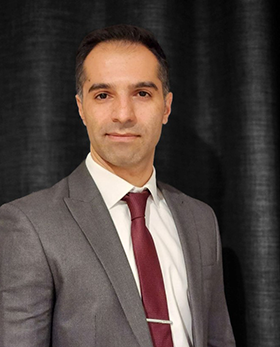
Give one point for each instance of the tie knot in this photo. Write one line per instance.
(137, 203)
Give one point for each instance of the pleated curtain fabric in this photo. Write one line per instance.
(221, 144)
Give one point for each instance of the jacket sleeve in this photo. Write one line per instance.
(219, 327)
(26, 285)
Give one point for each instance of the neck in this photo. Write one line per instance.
(134, 178)
(137, 176)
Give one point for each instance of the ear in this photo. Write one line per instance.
(80, 108)
(167, 110)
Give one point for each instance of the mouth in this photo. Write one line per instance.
(119, 137)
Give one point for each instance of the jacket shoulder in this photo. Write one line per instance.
(49, 196)
(182, 198)
(42, 197)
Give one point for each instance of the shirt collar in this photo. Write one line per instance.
(113, 188)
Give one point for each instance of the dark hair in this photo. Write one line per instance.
(126, 33)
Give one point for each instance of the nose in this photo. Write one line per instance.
(124, 110)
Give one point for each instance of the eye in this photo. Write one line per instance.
(143, 94)
(102, 96)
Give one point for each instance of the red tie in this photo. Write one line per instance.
(151, 281)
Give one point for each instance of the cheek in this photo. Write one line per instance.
(94, 119)
(154, 129)
(150, 113)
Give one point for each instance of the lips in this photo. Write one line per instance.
(122, 137)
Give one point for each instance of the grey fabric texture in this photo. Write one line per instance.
(64, 274)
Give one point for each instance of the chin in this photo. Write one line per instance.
(125, 162)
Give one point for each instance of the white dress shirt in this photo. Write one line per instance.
(161, 225)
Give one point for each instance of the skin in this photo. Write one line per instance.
(123, 108)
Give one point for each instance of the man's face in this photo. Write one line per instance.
(123, 106)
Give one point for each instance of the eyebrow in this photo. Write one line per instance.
(97, 86)
(147, 84)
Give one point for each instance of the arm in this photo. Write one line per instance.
(219, 327)
(26, 286)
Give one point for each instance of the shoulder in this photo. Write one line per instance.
(37, 216)
(58, 191)
(195, 220)
(190, 213)
(177, 197)
(41, 199)
(44, 200)
(26, 217)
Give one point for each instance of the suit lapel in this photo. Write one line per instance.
(90, 212)
(185, 224)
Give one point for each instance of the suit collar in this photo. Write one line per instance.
(90, 212)
(81, 186)
(188, 234)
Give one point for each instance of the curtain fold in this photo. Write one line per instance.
(221, 144)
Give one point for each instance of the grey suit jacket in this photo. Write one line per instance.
(65, 280)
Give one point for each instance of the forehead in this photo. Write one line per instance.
(116, 59)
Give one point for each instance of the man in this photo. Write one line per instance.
(71, 273)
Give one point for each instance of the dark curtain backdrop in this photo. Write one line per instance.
(221, 144)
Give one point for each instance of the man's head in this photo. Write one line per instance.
(125, 33)
(123, 104)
